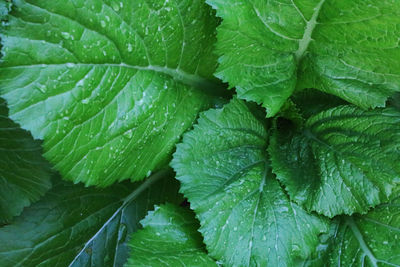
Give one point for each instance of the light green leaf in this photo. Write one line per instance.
(369, 240)
(169, 238)
(76, 226)
(346, 48)
(246, 218)
(109, 85)
(344, 160)
(24, 173)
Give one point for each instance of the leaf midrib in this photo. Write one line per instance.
(307, 36)
(126, 201)
(177, 74)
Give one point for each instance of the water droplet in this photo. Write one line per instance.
(65, 35)
(128, 134)
(115, 6)
(42, 88)
(103, 23)
(130, 48)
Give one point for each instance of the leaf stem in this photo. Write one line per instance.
(147, 183)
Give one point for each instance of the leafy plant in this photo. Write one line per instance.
(299, 168)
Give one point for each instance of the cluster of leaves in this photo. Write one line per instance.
(299, 165)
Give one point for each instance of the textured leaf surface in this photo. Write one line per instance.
(109, 85)
(369, 240)
(169, 238)
(246, 218)
(345, 160)
(76, 226)
(24, 173)
(346, 48)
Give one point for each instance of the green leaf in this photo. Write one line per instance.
(346, 48)
(169, 238)
(77, 226)
(344, 160)
(246, 218)
(24, 173)
(369, 240)
(109, 85)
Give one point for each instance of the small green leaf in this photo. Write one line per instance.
(344, 160)
(246, 218)
(77, 226)
(346, 48)
(24, 173)
(369, 240)
(109, 85)
(169, 238)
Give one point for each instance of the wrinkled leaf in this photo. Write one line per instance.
(24, 173)
(169, 238)
(344, 160)
(109, 85)
(76, 226)
(346, 48)
(246, 218)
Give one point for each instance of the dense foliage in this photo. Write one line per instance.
(123, 145)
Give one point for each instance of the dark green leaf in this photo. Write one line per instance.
(312, 101)
(77, 226)
(24, 173)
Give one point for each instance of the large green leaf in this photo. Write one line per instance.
(346, 48)
(24, 173)
(169, 238)
(246, 218)
(76, 226)
(109, 85)
(369, 240)
(344, 160)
